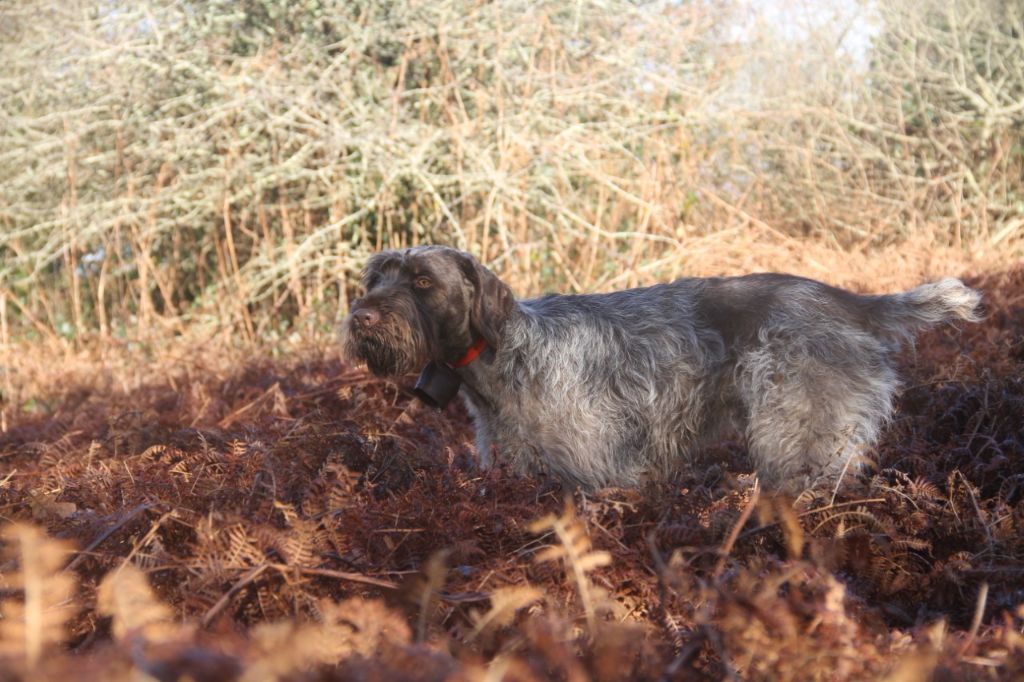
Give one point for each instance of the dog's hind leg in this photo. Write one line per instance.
(815, 407)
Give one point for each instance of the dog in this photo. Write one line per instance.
(613, 389)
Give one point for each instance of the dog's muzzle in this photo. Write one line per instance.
(383, 339)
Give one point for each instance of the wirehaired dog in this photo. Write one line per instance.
(608, 389)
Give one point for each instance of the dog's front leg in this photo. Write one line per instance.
(482, 426)
(483, 447)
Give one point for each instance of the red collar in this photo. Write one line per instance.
(472, 354)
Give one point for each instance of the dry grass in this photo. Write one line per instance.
(171, 163)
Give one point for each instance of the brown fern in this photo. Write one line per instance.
(125, 596)
(505, 603)
(36, 621)
(575, 550)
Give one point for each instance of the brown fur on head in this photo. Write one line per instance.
(423, 303)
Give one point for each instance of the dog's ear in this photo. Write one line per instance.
(492, 302)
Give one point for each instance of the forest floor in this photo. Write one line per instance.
(213, 516)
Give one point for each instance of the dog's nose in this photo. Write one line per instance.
(365, 317)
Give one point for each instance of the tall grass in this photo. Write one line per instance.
(165, 162)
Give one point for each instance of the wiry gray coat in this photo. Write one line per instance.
(609, 389)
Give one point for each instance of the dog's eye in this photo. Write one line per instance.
(422, 283)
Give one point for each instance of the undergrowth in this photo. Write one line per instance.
(211, 518)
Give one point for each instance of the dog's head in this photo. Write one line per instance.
(424, 303)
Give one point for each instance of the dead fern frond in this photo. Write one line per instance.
(424, 589)
(284, 648)
(575, 550)
(781, 508)
(270, 602)
(299, 544)
(921, 487)
(29, 626)
(287, 511)
(505, 602)
(354, 626)
(126, 596)
(240, 549)
(860, 515)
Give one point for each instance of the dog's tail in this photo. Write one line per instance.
(900, 315)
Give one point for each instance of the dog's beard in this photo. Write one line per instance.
(385, 360)
(387, 351)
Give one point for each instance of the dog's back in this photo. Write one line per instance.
(738, 307)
